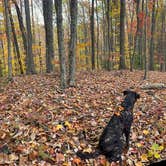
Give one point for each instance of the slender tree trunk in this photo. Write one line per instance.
(136, 36)
(104, 41)
(60, 33)
(164, 40)
(33, 21)
(162, 46)
(151, 60)
(122, 34)
(141, 41)
(92, 35)
(109, 65)
(48, 21)
(3, 55)
(30, 67)
(146, 45)
(15, 42)
(97, 38)
(73, 35)
(21, 25)
(40, 45)
(8, 34)
(85, 37)
(130, 37)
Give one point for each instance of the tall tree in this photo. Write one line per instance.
(48, 24)
(60, 32)
(21, 25)
(30, 67)
(72, 44)
(151, 60)
(162, 40)
(122, 34)
(146, 42)
(92, 35)
(8, 34)
(136, 35)
(16, 45)
(97, 36)
(108, 34)
(85, 35)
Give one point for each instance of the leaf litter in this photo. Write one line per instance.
(42, 125)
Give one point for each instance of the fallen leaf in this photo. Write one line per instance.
(144, 157)
(60, 157)
(76, 161)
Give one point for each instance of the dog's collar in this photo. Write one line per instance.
(119, 109)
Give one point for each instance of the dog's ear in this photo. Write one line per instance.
(126, 92)
(137, 95)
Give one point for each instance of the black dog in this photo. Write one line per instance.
(111, 141)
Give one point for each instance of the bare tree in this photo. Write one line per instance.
(30, 67)
(15, 41)
(146, 43)
(48, 23)
(8, 34)
(92, 35)
(72, 44)
(60, 32)
(122, 34)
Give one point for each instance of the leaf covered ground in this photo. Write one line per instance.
(41, 125)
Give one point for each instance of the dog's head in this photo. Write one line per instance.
(130, 99)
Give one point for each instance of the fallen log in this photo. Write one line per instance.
(153, 86)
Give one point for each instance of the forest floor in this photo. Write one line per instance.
(41, 125)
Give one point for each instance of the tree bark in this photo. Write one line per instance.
(21, 25)
(85, 37)
(8, 34)
(60, 33)
(92, 35)
(48, 22)
(30, 67)
(151, 60)
(15, 42)
(136, 36)
(72, 44)
(146, 47)
(97, 38)
(122, 34)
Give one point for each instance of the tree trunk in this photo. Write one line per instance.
(151, 60)
(72, 44)
(85, 37)
(33, 21)
(146, 45)
(92, 35)
(21, 25)
(97, 38)
(48, 22)
(104, 41)
(109, 65)
(135, 37)
(8, 34)
(30, 67)
(122, 34)
(130, 38)
(15, 42)
(162, 46)
(60, 33)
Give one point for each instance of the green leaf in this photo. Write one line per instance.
(155, 146)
